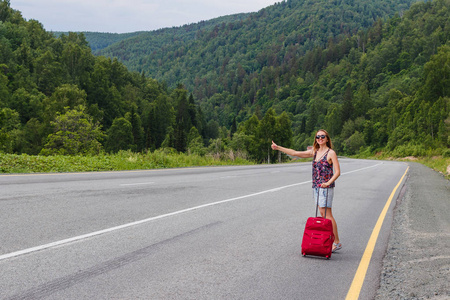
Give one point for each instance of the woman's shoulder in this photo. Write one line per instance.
(331, 152)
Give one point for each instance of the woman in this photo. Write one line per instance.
(325, 160)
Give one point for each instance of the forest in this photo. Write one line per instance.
(375, 75)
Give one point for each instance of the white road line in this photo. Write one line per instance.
(89, 235)
(92, 234)
(357, 170)
(132, 184)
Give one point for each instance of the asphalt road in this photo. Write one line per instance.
(194, 233)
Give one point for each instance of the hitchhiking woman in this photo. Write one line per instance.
(325, 171)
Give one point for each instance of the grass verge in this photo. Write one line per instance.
(438, 163)
(124, 160)
(160, 159)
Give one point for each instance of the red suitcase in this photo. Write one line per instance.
(318, 236)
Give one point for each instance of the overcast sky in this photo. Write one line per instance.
(129, 15)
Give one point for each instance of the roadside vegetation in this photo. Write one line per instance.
(123, 160)
(438, 160)
(161, 159)
(438, 163)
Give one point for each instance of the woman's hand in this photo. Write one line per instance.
(274, 146)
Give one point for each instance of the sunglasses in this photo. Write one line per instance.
(323, 136)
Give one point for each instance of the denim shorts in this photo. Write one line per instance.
(323, 196)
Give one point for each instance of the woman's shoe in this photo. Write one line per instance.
(336, 247)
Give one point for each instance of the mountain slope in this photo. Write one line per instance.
(219, 59)
(101, 40)
(154, 40)
(383, 88)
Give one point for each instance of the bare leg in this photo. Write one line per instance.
(333, 221)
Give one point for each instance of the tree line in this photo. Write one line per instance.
(384, 88)
(56, 97)
(332, 64)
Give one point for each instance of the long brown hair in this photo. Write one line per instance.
(329, 143)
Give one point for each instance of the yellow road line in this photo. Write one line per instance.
(358, 280)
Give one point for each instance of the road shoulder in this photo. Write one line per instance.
(417, 261)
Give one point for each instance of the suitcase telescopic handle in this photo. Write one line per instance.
(326, 203)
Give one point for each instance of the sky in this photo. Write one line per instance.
(120, 16)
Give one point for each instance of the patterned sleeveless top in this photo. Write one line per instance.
(322, 171)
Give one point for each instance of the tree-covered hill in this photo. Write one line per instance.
(101, 40)
(56, 97)
(390, 90)
(386, 88)
(213, 60)
(157, 38)
(380, 88)
(154, 40)
(334, 64)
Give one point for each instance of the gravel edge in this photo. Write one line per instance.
(417, 261)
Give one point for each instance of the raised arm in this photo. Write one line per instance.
(302, 154)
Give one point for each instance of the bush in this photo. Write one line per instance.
(409, 150)
(417, 150)
(445, 153)
(367, 152)
(354, 143)
(123, 160)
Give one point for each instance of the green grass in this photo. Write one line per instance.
(160, 159)
(439, 163)
(124, 160)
